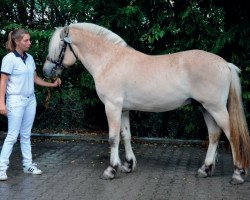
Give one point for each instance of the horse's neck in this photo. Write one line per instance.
(93, 51)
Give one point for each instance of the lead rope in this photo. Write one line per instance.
(46, 102)
(48, 97)
(60, 102)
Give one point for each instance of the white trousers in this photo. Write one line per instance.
(21, 115)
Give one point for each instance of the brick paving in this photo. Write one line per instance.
(72, 171)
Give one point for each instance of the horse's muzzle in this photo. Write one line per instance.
(48, 71)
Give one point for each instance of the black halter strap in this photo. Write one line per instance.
(66, 42)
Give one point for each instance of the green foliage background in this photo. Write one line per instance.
(150, 26)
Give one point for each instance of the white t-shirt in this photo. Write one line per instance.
(21, 74)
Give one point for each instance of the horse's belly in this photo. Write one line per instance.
(155, 104)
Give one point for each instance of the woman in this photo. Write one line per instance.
(18, 75)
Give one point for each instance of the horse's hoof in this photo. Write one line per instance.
(125, 169)
(106, 177)
(201, 173)
(206, 171)
(238, 176)
(109, 173)
(237, 181)
(128, 166)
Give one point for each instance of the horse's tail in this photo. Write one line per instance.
(238, 126)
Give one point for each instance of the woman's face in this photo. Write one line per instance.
(24, 43)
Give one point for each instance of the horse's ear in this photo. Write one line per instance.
(64, 32)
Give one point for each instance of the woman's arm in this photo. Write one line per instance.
(3, 84)
(41, 82)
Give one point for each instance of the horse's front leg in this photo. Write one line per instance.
(130, 160)
(113, 113)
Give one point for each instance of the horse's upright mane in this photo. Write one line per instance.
(54, 48)
(101, 31)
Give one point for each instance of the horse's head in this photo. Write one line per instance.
(61, 53)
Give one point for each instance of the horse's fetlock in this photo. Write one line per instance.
(206, 171)
(240, 171)
(114, 169)
(209, 170)
(239, 175)
(129, 163)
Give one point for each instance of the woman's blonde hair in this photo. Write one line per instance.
(16, 34)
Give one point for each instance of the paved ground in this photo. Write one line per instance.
(72, 171)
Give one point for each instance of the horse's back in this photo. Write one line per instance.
(187, 70)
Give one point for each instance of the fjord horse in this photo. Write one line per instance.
(126, 79)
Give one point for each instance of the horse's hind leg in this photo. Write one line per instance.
(221, 116)
(130, 160)
(214, 133)
(113, 113)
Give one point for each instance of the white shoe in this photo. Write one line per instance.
(32, 169)
(3, 175)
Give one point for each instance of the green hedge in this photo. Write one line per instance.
(153, 27)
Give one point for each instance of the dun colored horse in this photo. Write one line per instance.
(126, 79)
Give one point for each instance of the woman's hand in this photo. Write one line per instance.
(3, 84)
(3, 109)
(57, 82)
(41, 82)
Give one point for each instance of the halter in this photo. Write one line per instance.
(66, 42)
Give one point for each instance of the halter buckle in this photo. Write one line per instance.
(67, 40)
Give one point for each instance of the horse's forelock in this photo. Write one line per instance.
(54, 47)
